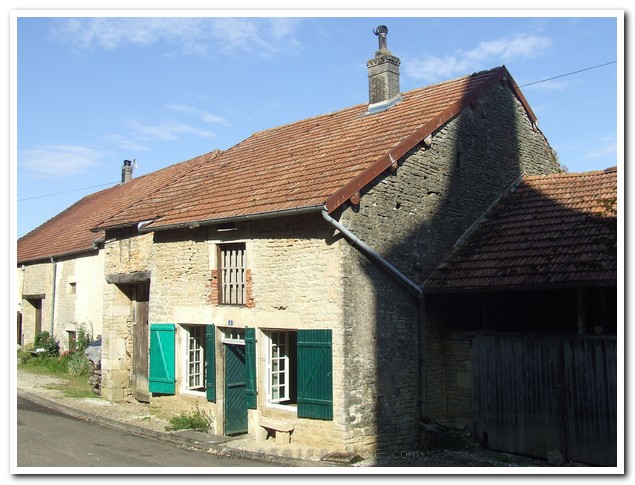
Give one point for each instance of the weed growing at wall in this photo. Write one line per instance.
(84, 336)
(196, 419)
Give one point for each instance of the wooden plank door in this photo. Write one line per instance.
(140, 343)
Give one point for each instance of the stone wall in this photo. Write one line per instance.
(79, 296)
(295, 272)
(36, 280)
(412, 217)
(79, 283)
(449, 381)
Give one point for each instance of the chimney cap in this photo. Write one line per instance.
(381, 33)
(381, 30)
(126, 171)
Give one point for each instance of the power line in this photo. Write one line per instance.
(568, 74)
(66, 192)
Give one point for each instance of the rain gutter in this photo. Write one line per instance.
(53, 296)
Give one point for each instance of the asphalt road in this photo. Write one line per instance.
(47, 438)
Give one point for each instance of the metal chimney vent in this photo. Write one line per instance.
(381, 32)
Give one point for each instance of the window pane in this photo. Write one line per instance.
(195, 352)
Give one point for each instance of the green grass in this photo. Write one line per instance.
(77, 387)
(72, 375)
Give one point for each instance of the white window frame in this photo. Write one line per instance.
(283, 361)
(195, 355)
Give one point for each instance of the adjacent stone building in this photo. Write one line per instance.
(277, 285)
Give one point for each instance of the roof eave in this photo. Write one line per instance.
(238, 218)
(498, 288)
(48, 257)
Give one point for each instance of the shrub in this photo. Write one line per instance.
(196, 419)
(44, 340)
(77, 364)
(24, 356)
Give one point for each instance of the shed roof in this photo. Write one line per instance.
(550, 230)
(307, 165)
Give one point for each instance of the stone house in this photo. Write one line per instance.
(277, 285)
(522, 322)
(60, 273)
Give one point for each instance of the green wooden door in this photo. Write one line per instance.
(235, 390)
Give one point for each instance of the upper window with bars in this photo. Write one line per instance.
(232, 282)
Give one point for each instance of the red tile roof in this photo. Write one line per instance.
(551, 230)
(314, 162)
(69, 232)
(317, 162)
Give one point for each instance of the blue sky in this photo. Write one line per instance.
(94, 91)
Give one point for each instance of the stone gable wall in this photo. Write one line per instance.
(412, 217)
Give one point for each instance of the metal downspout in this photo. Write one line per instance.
(53, 295)
(423, 380)
(404, 280)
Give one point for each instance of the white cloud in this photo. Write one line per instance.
(58, 160)
(198, 35)
(485, 55)
(127, 143)
(167, 131)
(202, 115)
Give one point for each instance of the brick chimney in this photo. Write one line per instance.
(383, 76)
(126, 171)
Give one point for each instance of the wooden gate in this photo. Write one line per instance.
(140, 343)
(19, 330)
(534, 394)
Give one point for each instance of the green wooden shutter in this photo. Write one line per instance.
(315, 374)
(210, 357)
(250, 367)
(161, 374)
